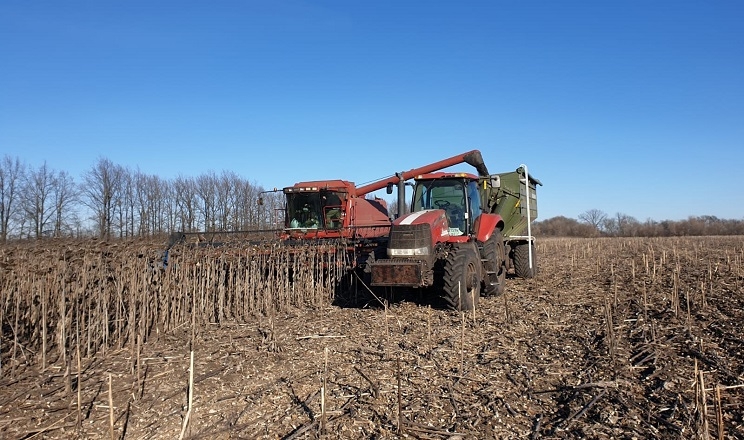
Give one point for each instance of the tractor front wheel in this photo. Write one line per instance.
(494, 256)
(462, 279)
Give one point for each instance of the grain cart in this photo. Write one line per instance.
(463, 234)
(516, 203)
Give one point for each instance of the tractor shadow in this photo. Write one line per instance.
(354, 292)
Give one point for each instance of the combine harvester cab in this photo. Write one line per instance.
(330, 209)
(463, 234)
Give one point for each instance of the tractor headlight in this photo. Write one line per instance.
(408, 252)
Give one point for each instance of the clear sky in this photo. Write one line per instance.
(625, 106)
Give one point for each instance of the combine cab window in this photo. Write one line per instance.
(333, 208)
(313, 210)
(446, 194)
(303, 210)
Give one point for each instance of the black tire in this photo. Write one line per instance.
(521, 259)
(494, 254)
(461, 279)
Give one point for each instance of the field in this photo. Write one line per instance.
(615, 338)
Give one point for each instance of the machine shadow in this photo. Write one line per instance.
(355, 292)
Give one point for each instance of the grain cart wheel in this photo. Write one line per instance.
(522, 260)
(494, 263)
(461, 279)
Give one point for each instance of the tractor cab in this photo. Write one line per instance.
(456, 194)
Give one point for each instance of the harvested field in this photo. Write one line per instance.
(615, 338)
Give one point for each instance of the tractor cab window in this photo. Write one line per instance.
(448, 195)
(333, 208)
(303, 210)
(475, 204)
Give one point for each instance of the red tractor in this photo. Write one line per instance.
(453, 239)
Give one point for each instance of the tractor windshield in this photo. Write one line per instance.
(447, 194)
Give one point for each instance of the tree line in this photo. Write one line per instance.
(596, 223)
(111, 200)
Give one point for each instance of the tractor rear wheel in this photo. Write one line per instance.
(522, 260)
(494, 262)
(461, 279)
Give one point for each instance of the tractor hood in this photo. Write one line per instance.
(436, 218)
(429, 216)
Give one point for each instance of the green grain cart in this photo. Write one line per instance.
(510, 196)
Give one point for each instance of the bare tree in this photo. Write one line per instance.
(260, 208)
(225, 199)
(206, 189)
(164, 204)
(240, 215)
(37, 192)
(65, 196)
(11, 172)
(101, 190)
(627, 225)
(126, 204)
(184, 193)
(621, 225)
(563, 227)
(154, 205)
(594, 217)
(252, 213)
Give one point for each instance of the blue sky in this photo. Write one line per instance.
(625, 106)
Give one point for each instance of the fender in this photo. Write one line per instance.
(485, 224)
